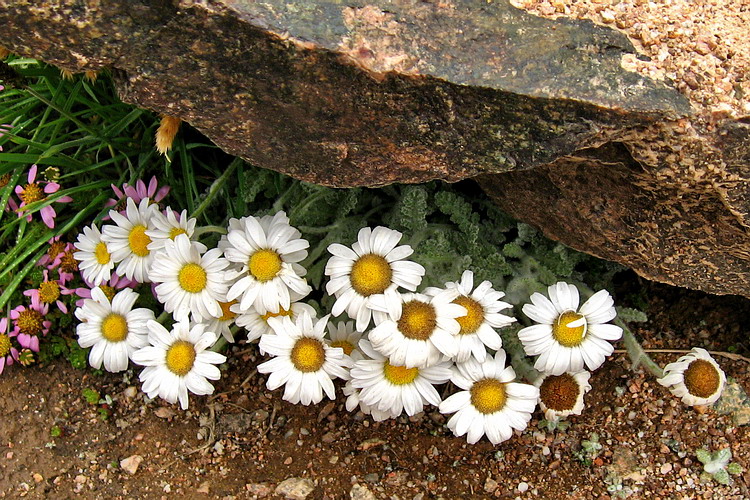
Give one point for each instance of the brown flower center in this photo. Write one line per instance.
(30, 322)
(701, 378)
(559, 393)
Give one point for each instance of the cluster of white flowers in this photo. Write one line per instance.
(392, 344)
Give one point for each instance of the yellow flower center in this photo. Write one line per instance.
(56, 248)
(264, 265)
(192, 278)
(701, 378)
(175, 231)
(101, 253)
(49, 291)
(308, 355)
(418, 320)
(474, 316)
(348, 347)
(31, 193)
(138, 240)
(68, 263)
(488, 395)
(30, 322)
(371, 274)
(282, 312)
(567, 335)
(108, 291)
(180, 357)
(115, 327)
(560, 392)
(4, 345)
(226, 313)
(399, 375)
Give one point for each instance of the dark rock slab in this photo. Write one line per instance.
(374, 92)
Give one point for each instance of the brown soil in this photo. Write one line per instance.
(244, 441)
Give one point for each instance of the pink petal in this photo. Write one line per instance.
(32, 173)
(51, 187)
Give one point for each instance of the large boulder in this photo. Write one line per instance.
(374, 92)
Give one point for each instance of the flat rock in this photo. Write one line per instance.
(295, 488)
(373, 92)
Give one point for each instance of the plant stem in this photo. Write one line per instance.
(216, 188)
(209, 229)
(635, 351)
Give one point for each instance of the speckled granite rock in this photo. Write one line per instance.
(370, 93)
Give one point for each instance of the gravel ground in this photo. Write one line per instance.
(703, 46)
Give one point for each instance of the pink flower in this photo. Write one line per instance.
(49, 291)
(37, 191)
(137, 193)
(110, 288)
(30, 324)
(56, 247)
(8, 353)
(67, 264)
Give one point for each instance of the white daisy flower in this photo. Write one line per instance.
(391, 388)
(343, 334)
(222, 324)
(188, 281)
(178, 361)
(418, 330)
(568, 337)
(114, 329)
(353, 402)
(94, 260)
(268, 250)
(562, 395)
(167, 227)
(256, 321)
(483, 306)
(373, 265)
(491, 402)
(304, 364)
(695, 377)
(128, 241)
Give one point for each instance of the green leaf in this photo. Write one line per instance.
(703, 455)
(734, 468)
(91, 396)
(722, 476)
(631, 315)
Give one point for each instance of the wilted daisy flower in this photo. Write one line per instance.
(128, 241)
(268, 249)
(8, 353)
(568, 337)
(694, 377)
(343, 334)
(49, 292)
(166, 133)
(392, 388)
(483, 306)
(353, 401)
(562, 395)
(96, 262)
(188, 281)
(178, 361)
(303, 363)
(222, 324)
(167, 227)
(491, 402)
(30, 325)
(34, 191)
(373, 265)
(419, 330)
(256, 321)
(113, 328)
